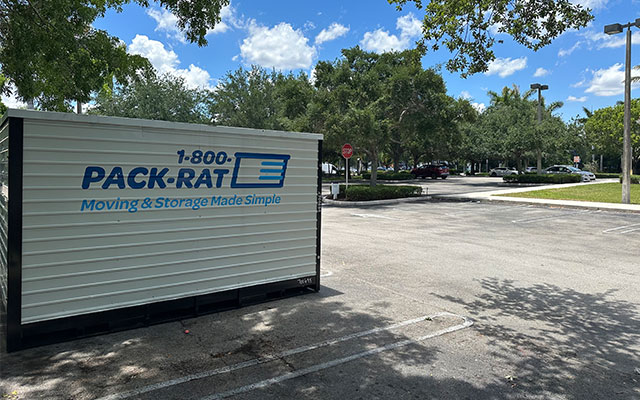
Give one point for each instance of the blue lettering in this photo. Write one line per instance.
(86, 204)
(205, 177)
(220, 172)
(115, 177)
(185, 175)
(90, 178)
(156, 177)
(131, 179)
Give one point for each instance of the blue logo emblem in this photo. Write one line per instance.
(259, 170)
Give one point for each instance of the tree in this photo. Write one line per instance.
(424, 120)
(382, 103)
(50, 51)
(463, 26)
(150, 96)
(604, 129)
(262, 99)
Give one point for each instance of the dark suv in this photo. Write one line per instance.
(432, 171)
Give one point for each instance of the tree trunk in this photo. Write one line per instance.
(374, 170)
(519, 164)
(538, 160)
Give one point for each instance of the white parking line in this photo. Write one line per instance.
(266, 359)
(530, 220)
(333, 363)
(371, 216)
(620, 230)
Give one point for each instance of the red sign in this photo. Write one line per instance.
(347, 151)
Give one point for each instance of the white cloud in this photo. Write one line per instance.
(592, 4)
(608, 82)
(506, 66)
(579, 83)
(334, 31)
(280, 47)
(381, 41)
(601, 40)
(578, 99)
(465, 95)
(167, 22)
(480, 107)
(409, 26)
(540, 72)
(13, 102)
(566, 52)
(167, 62)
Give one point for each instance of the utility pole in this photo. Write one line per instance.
(540, 88)
(626, 139)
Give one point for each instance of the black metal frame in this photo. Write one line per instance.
(14, 235)
(21, 336)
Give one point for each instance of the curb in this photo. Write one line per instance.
(336, 203)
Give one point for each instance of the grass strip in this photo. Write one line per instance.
(602, 192)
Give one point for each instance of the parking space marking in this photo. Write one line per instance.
(372, 216)
(333, 363)
(530, 220)
(501, 209)
(621, 230)
(326, 274)
(265, 359)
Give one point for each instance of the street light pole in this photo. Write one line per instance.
(626, 139)
(540, 88)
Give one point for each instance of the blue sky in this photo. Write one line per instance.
(582, 68)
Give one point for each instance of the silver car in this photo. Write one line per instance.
(568, 169)
(502, 171)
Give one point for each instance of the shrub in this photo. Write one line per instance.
(542, 178)
(379, 192)
(635, 179)
(604, 175)
(390, 176)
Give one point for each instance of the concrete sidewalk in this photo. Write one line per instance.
(492, 196)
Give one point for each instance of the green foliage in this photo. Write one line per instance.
(542, 178)
(463, 26)
(390, 176)
(508, 129)
(52, 53)
(262, 99)
(602, 175)
(383, 103)
(380, 192)
(635, 179)
(604, 129)
(150, 96)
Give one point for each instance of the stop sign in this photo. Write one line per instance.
(347, 151)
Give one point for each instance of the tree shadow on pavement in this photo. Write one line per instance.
(575, 345)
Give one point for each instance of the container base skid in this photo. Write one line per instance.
(64, 329)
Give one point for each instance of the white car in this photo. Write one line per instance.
(502, 171)
(568, 169)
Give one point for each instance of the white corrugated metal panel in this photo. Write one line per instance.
(4, 211)
(106, 246)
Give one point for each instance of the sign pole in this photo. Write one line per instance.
(347, 152)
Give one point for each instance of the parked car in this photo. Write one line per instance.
(568, 169)
(432, 171)
(531, 170)
(502, 171)
(329, 169)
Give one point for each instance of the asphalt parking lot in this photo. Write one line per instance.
(552, 294)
